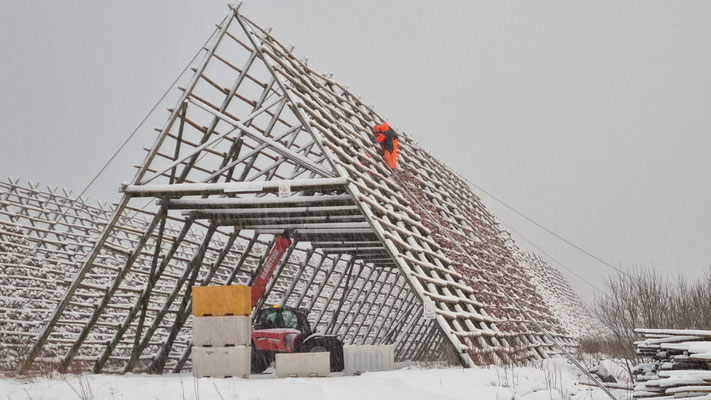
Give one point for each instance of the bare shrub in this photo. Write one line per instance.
(642, 297)
(604, 345)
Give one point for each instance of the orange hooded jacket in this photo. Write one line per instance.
(388, 139)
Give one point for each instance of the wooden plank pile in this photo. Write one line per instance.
(680, 365)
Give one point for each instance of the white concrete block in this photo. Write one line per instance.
(368, 358)
(222, 331)
(303, 364)
(220, 362)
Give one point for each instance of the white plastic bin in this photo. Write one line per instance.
(222, 331)
(221, 362)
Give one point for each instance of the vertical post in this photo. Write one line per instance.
(192, 265)
(323, 282)
(364, 299)
(410, 332)
(242, 258)
(347, 289)
(296, 278)
(373, 300)
(382, 305)
(395, 315)
(275, 275)
(345, 272)
(181, 316)
(357, 295)
(316, 269)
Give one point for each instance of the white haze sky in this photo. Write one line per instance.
(592, 118)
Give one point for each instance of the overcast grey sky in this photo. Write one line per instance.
(591, 118)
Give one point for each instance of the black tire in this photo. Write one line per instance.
(334, 347)
(260, 361)
(317, 349)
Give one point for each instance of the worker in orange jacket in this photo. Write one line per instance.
(388, 141)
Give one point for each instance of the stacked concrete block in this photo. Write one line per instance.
(315, 364)
(368, 358)
(222, 331)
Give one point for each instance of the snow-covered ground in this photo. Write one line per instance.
(551, 380)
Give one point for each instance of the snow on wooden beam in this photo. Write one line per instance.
(236, 203)
(274, 212)
(673, 332)
(340, 243)
(275, 221)
(308, 235)
(187, 189)
(357, 249)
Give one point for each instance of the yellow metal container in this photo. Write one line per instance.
(220, 301)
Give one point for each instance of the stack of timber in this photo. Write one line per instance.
(679, 364)
(222, 331)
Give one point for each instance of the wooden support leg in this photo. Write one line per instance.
(192, 265)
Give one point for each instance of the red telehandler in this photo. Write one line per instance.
(284, 329)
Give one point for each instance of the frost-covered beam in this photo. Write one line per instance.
(323, 282)
(392, 294)
(391, 314)
(409, 334)
(277, 222)
(341, 243)
(188, 189)
(405, 312)
(309, 235)
(350, 284)
(275, 212)
(361, 287)
(252, 37)
(237, 203)
(250, 157)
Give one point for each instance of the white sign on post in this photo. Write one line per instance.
(284, 190)
(428, 309)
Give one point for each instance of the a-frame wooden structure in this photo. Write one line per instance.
(259, 143)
